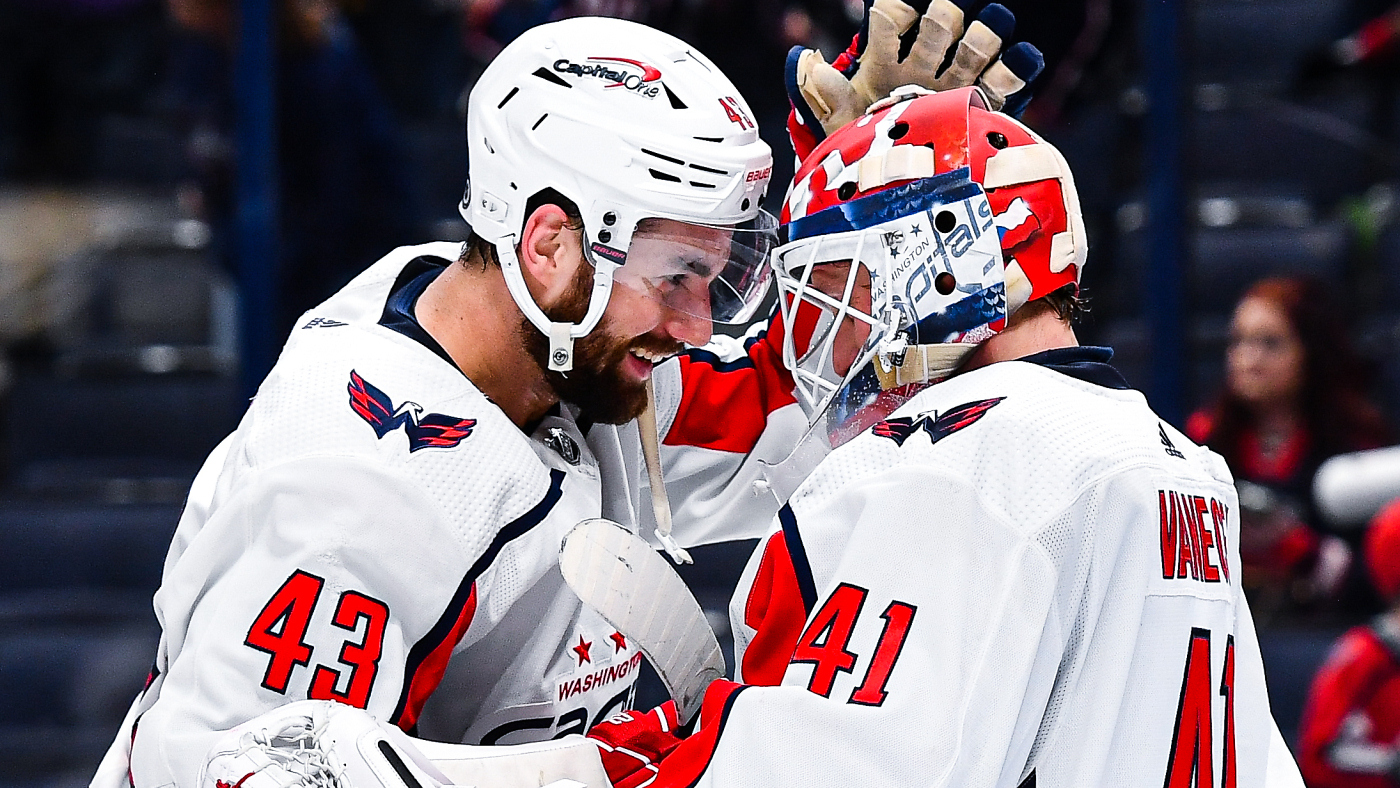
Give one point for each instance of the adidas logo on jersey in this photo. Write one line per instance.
(324, 322)
(1167, 444)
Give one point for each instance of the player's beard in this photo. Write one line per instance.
(597, 383)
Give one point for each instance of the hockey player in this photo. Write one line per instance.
(1018, 576)
(382, 530)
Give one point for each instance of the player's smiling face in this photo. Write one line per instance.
(659, 304)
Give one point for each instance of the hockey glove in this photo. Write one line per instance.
(317, 744)
(633, 743)
(827, 97)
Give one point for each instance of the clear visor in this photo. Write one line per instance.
(713, 273)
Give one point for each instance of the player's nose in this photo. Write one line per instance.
(688, 328)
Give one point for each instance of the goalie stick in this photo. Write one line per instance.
(618, 574)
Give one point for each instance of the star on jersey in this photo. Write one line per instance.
(425, 430)
(582, 650)
(937, 426)
(619, 642)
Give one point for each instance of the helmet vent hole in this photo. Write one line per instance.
(508, 97)
(605, 236)
(945, 222)
(898, 130)
(663, 157)
(538, 122)
(997, 140)
(710, 139)
(702, 185)
(609, 218)
(487, 143)
(711, 170)
(664, 176)
(547, 76)
(744, 206)
(944, 283)
(514, 187)
(676, 102)
(847, 190)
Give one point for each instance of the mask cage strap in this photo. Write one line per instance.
(920, 364)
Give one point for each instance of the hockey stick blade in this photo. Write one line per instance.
(634, 589)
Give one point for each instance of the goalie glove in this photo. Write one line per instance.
(317, 744)
(633, 743)
(827, 97)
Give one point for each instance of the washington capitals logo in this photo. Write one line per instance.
(937, 426)
(425, 430)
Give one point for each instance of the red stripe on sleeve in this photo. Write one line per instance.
(683, 767)
(429, 673)
(774, 609)
(725, 405)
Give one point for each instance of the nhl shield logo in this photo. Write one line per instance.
(563, 445)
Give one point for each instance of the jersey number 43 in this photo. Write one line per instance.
(280, 631)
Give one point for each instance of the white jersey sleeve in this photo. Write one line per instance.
(1043, 588)
(724, 411)
(298, 597)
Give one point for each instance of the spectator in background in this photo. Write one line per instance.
(1350, 733)
(1295, 395)
(346, 192)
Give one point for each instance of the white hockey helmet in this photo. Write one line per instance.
(630, 124)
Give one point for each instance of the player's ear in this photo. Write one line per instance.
(549, 253)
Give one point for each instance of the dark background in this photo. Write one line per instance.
(124, 349)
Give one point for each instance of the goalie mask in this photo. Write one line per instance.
(939, 219)
(632, 125)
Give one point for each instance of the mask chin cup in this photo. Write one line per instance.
(919, 364)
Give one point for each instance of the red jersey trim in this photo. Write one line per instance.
(427, 660)
(776, 610)
(688, 762)
(725, 405)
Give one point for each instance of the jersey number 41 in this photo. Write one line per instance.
(1190, 762)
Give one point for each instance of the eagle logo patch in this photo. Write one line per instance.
(938, 426)
(425, 430)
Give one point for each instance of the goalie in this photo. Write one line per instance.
(1010, 572)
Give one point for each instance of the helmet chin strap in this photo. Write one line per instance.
(561, 335)
(561, 359)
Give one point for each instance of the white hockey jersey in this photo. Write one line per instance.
(1021, 578)
(376, 531)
